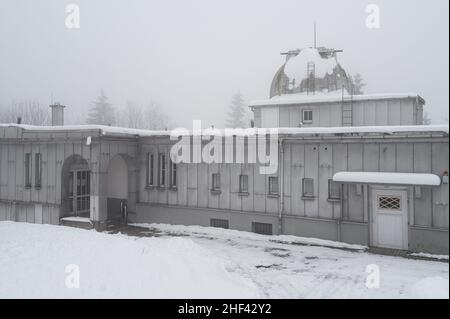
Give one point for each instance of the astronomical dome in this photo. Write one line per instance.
(310, 71)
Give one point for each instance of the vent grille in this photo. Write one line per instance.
(262, 228)
(389, 202)
(219, 223)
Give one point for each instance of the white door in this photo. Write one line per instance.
(390, 219)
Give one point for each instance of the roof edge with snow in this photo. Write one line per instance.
(282, 131)
(289, 99)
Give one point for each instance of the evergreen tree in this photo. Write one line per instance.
(357, 84)
(101, 112)
(237, 115)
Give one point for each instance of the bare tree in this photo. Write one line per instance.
(426, 119)
(155, 118)
(151, 117)
(131, 116)
(29, 112)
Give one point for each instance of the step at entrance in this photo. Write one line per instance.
(77, 222)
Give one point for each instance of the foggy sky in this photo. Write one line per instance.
(191, 56)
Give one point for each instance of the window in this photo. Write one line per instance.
(389, 202)
(307, 116)
(308, 187)
(38, 170)
(262, 228)
(150, 169)
(79, 199)
(28, 170)
(334, 190)
(71, 193)
(215, 181)
(162, 169)
(173, 174)
(243, 184)
(220, 223)
(273, 185)
(82, 191)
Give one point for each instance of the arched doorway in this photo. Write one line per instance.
(76, 187)
(117, 188)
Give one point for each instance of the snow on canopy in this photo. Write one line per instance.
(419, 179)
(296, 68)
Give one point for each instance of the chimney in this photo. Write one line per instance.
(57, 114)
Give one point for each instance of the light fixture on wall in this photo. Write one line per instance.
(445, 178)
(418, 191)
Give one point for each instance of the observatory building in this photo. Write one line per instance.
(312, 89)
(353, 168)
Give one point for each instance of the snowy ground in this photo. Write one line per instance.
(199, 262)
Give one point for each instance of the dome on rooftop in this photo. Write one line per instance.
(308, 71)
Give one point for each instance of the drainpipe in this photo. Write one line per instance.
(417, 111)
(339, 220)
(281, 178)
(138, 173)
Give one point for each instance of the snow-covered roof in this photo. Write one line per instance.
(309, 70)
(291, 131)
(324, 97)
(296, 68)
(103, 129)
(363, 130)
(418, 179)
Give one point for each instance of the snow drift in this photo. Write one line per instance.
(33, 260)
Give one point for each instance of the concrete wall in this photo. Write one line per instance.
(200, 216)
(29, 212)
(424, 239)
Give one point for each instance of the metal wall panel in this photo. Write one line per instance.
(259, 187)
(394, 113)
(298, 173)
(312, 171)
(387, 158)
(325, 173)
(371, 157)
(439, 164)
